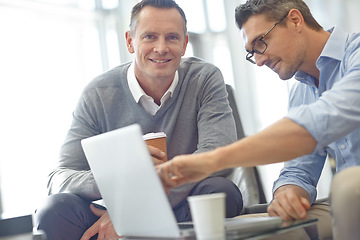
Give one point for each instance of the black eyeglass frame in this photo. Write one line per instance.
(249, 55)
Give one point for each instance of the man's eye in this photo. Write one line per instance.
(173, 37)
(149, 36)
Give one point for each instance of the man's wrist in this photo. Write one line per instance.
(217, 159)
(292, 187)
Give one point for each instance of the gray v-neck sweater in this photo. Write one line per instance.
(196, 118)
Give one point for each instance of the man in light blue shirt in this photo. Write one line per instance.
(327, 109)
(335, 110)
(324, 117)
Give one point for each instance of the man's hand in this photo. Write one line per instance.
(184, 169)
(156, 154)
(103, 227)
(290, 202)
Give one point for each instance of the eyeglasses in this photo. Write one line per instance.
(260, 45)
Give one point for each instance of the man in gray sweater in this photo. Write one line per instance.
(185, 98)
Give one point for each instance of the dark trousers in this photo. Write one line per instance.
(68, 216)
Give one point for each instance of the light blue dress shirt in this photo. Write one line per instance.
(331, 112)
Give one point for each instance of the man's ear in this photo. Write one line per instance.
(129, 42)
(185, 44)
(296, 19)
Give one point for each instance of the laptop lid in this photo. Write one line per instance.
(133, 193)
(129, 184)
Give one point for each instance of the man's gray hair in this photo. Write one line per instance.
(157, 4)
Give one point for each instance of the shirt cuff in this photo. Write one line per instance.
(309, 189)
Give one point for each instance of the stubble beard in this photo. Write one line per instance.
(291, 69)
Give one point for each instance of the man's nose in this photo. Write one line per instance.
(260, 59)
(161, 46)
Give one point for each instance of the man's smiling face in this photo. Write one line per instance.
(159, 43)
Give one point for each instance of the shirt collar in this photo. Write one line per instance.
(335, 46)
(136, 89)
(334, 49)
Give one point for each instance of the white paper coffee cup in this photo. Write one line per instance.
(208, 215)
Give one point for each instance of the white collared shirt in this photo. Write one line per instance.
(142, 98)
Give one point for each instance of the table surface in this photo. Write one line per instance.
(286, 226)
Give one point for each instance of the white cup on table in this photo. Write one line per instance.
(208, 215)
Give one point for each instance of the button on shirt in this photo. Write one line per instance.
(330, 112)
(142, 98)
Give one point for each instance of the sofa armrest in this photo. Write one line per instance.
(256, 208)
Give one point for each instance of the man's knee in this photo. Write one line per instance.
(234, 202)
(341, 184)
(58, 204)
(64, 214)
(345, 203)
(345, 191)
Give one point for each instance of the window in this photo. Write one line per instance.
(48, 54)
(195, 19)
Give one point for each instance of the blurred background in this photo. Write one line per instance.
(50, 49)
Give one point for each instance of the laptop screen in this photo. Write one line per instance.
(129, 184)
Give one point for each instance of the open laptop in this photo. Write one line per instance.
(133, 193)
